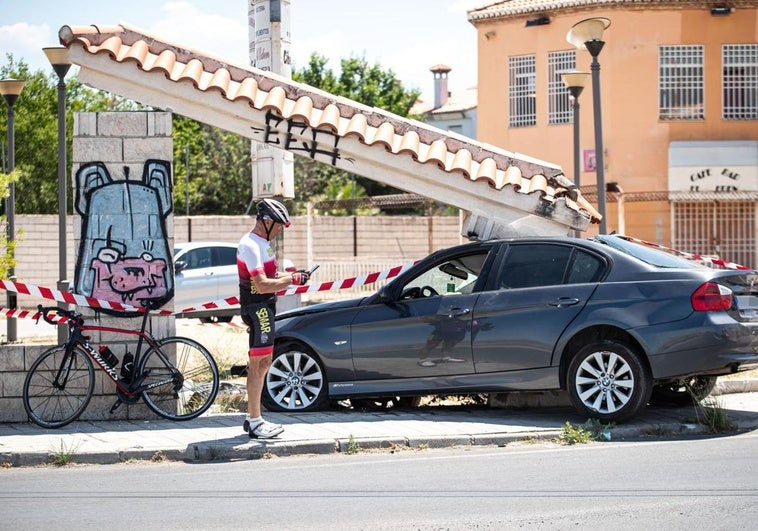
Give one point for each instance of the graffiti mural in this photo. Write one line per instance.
(322, 142)
(124, 254)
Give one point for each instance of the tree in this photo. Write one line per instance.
(364, 83)
(36, 132)
(7, 259)
(219, 169)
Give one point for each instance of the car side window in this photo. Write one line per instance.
(585, 268)
(533, 265)
(454, 275)
(225, 256)
(198, 258)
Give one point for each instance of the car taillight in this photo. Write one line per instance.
(710, 297)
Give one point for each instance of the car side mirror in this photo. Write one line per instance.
(384, 295)
(179, 266)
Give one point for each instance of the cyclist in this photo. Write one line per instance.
(259, 281)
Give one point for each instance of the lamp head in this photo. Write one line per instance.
(11, 87)
(58, 57)
(574, 78)
(587, 30)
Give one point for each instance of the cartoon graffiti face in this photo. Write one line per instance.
(128, 279)
(124, 255)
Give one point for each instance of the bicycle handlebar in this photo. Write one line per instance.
(70, 315)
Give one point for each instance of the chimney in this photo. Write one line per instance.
(440, 84)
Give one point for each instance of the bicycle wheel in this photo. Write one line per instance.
(58, 387)
(180, 378)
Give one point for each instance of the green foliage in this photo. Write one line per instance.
(219, 169)
(36, 131)
(592, 430)
(7, 259)
(712, 415)
(64, 454)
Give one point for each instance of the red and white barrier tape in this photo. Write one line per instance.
(28, 314)
(689, 256)
(91, 302)
(71, 298)
(347, 283)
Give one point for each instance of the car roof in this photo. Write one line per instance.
(195, 245)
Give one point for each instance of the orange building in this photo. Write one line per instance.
(679, 111)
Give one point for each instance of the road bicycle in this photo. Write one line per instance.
(176, 377)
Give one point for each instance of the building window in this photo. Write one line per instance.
(522, 91)
(723, 229)
(681, 83)
(740, 81)
(559, 105)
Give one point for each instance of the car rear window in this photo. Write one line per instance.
(649, 255)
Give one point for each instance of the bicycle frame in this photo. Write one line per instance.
(131, 389)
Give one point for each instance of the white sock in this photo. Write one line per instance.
(254, 421)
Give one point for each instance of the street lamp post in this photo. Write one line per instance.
(588, 35)
(58, 58)
(10, 90)
(575, 82)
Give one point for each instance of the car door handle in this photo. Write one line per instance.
(564, 301)
(457, 312)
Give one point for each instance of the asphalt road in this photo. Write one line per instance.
(705, 483)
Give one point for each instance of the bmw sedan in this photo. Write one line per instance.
(609, 320)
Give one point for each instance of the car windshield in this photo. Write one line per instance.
(654, 257)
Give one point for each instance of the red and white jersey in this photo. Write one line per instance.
(254, 257)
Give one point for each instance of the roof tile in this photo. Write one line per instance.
(266, 91)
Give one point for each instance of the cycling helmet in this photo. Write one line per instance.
(272, 209)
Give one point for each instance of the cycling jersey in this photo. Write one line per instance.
(254, 257)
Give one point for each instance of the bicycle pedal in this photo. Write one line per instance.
(115, 406)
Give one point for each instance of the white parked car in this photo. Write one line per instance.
(206, 272)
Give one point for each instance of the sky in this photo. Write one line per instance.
(406, 36)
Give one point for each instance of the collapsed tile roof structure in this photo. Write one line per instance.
(506, 193)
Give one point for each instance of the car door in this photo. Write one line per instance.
(195, 283)
(425, 329)
(225, 272)
(538, 289)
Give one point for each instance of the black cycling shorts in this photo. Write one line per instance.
(259, 317)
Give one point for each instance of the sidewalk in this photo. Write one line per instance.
(220, 436)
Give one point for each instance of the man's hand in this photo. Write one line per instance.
(300, 277)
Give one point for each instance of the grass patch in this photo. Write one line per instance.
(229, 403)
(592, 430)
(158, 457)
(710, 414)
(64, 455)
(353, 446)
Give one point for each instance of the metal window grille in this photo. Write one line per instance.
(522, 91)
(681, 84)
(740, 81)
(722, 229)
(559, 106)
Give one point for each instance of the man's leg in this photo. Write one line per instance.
(256, 374)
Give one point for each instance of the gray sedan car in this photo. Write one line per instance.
(609, 320)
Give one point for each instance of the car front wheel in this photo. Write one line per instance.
(295, 381)
(608, 381)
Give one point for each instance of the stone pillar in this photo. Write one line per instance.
(123, 222)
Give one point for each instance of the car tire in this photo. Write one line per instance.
(296, 380)
(608, 381)
(684, 392)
